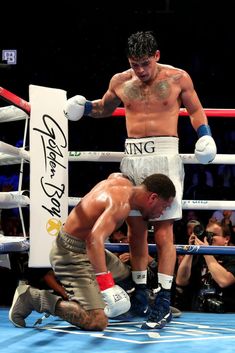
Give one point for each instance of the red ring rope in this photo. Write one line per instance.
(24, 105)
(225, 113)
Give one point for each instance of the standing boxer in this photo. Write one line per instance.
(152, 94)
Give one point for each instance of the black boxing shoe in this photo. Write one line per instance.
(160, 313)
(140, 301)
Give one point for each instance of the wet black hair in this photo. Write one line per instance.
(160, 184)
(141, 44)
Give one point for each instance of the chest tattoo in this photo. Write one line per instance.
(162, 89)
(132, 92)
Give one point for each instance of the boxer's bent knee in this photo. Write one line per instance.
(76, 315)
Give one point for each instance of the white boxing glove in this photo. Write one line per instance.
(116, 299)
(205, 148)
(76, 107)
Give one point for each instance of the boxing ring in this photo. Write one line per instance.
(192, 331)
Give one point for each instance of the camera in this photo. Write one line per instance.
(215, 305)
(210, 301)
(201, 233)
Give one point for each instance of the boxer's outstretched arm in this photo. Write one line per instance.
(78, 106)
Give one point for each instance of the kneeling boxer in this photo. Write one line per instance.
(86, 270)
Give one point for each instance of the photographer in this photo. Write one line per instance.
(205, 282)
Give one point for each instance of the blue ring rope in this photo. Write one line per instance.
(22, 246)
(180, 249)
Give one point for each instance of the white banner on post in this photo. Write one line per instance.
(48, 171)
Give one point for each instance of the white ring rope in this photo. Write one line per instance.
(9, 154)
(106, 156)
(12, 113)
(186, 204)
(7, 149)
(14, 199)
